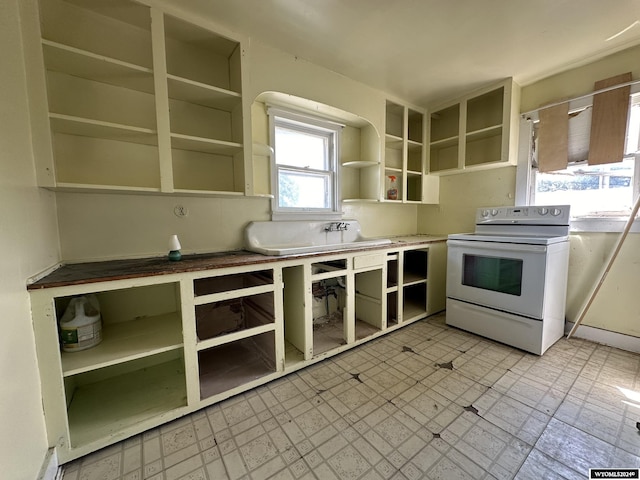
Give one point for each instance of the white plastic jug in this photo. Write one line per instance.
(81, 325)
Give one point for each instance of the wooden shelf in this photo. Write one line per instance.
(486, 132)
(476, 131)
(391, 141)
(446, 142)
(202, 94)
(126, 341)
(102, 409)
(84, 64)
(360, 200)
(201, 144)
(360, 164)
(95, 128)
(92, 187)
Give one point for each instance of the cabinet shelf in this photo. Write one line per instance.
(92, 187)
(84, 64)
(360, 200)
(445, 142)
(484, 132)
(104, 408)
(413, 145)
(202, 144)
(475, 131)
(392, 141)
(360, 164)
(86, 127)
(202, 94)
(126, 341)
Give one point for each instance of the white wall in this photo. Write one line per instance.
(29, 244)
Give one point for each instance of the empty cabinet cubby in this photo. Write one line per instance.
(228, 316)
(103, 402)
(235, 281)
(232, 364)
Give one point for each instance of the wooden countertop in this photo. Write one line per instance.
(92, 272)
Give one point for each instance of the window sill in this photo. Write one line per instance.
(602, 224)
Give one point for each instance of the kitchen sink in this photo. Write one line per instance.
(297, 237)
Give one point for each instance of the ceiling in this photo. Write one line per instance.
(426, 51)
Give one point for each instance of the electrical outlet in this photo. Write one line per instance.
(180, 211)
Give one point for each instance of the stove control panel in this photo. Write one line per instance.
(526, 215)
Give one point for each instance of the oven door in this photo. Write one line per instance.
(504, 276)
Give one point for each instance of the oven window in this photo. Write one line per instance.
(497, 274)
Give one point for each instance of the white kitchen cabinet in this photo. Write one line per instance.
(476, 131)
(405, 154)
(140, 101)
(179, 336)
(359, 164)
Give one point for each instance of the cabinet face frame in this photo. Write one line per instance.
(379, 273)
(456, 152)
(84, 60)
(405, 145)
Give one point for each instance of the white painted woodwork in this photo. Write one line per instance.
(116, 79)
(405, 155)
(476, 131)
(151, 367)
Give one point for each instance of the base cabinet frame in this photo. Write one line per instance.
(175, 343)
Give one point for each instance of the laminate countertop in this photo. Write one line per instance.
(101, 271)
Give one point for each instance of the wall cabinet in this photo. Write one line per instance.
(174, 343)
(405, 178)
(360, 164)
(139, 101)
(476, 131)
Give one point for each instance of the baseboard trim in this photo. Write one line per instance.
(50, 468)
(605, 337)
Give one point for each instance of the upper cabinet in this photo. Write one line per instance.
(476, 131)
(405, 178)
(140, 101)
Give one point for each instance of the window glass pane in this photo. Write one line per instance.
(298, 190)
(590, 190)
(497, 274)
(301, 149)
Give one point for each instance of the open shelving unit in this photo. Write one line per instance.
(415, 268)
(475, 131)
(140, 105)
(235, 329)
(405, 155)
(136, 373)
(360, 164)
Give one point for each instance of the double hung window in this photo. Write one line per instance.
(601, 196)
(304, 165)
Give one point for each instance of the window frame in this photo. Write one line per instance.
(304, 123)
(525, 181)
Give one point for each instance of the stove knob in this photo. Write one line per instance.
(543, 211)
(485, 213)
(494, 212)
(555, 212)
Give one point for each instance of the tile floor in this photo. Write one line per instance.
(425, 402)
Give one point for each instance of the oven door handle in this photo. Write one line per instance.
(498, 246)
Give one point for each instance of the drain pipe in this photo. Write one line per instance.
(596, 288)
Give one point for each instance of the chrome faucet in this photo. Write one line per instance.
(336, 227)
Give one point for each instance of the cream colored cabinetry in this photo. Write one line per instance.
(139, 101)
(175, 343)
(359, 164)
(404, 161)
(476, 131)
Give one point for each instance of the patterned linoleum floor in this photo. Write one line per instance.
(426, 401)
